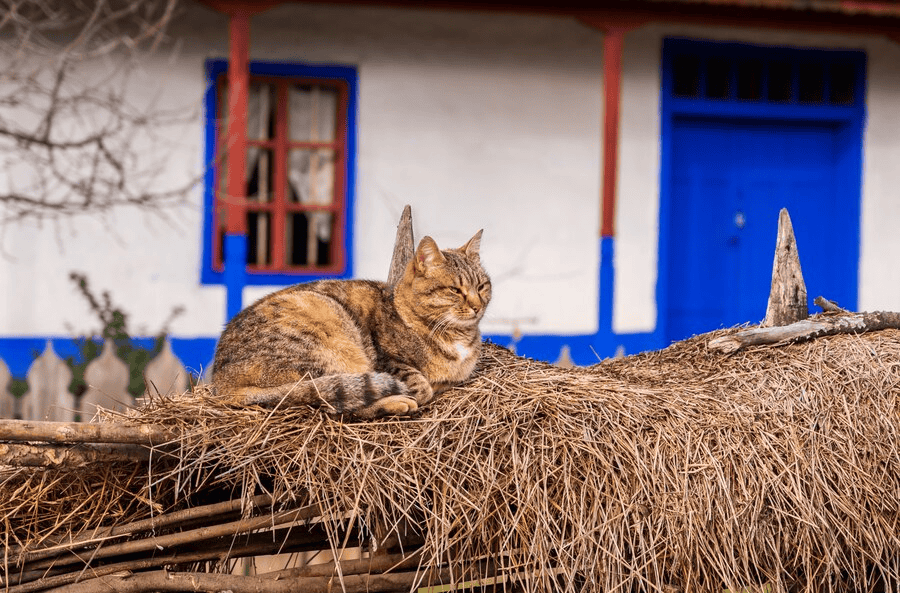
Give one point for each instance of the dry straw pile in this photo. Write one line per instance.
(681, 469)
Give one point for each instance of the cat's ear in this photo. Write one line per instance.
(472, 246)
(428, 255)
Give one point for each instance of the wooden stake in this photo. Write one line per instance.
(404, 247)
(787, 297)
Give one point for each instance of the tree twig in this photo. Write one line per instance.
(828, 306)
(807, 329)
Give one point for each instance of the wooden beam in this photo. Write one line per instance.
(164, 580)
(69, 456)
(83, 432)
(614, 28)
(236, 134)
(613, 43)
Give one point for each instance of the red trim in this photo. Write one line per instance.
(236, 144)
(614, 26)
(340, 178)
(612, 81)
(280, 172)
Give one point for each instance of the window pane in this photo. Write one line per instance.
(811, 82)
(718, 78)
(309, 236)
(258, 238)
(260, 163)
(843, 82)
(313, 113)
(780, 82)
(749, 80)
(311, 176)
(261, 111)
(220, 242)
(686, 76)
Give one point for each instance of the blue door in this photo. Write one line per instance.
(730, 167)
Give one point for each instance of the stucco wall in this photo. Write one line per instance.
(479, 120)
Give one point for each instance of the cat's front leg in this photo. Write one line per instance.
(418, 384)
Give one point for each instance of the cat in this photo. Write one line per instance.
(357, 348)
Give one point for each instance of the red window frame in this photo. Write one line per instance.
(280, 207)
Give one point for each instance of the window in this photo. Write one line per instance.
(299, 172)
(761, 75)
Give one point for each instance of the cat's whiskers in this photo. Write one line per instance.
(441, 325)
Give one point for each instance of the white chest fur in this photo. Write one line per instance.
(463, 351)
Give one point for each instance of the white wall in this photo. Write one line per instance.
(480, 120)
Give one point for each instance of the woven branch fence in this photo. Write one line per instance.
(752, 460)
(773, 468)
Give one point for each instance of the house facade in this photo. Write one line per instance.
(627, 165)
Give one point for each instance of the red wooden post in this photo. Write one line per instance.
(236, 143)
(238, 91)
(612, 82)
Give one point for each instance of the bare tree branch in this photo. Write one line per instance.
(73, 140)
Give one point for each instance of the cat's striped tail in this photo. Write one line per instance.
(361, 395)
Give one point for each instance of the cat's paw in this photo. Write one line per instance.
(392, 405)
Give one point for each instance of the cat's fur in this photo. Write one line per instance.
(356, 347)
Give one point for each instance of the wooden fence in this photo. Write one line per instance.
(48, 396)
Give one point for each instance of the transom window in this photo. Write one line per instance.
(298, 172)
(753, 74)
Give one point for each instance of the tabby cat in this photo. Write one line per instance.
(357, 347)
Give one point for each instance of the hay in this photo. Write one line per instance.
(680, 469)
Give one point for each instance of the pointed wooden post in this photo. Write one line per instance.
(787, 297)
(565, 358)
(404, 247)
(107, 380)
(7, 401)
(48, 396)
(165, 375)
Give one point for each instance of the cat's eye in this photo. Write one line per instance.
(454, 290)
